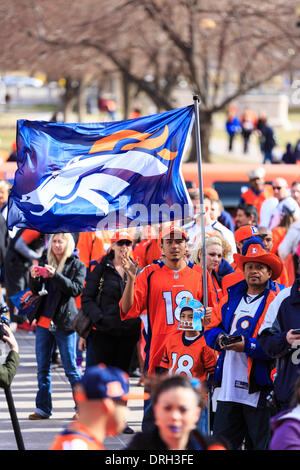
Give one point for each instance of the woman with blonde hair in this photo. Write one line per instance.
(58, 279)
(217, 250)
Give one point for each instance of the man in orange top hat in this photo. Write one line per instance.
(242, 234)
(243, 369)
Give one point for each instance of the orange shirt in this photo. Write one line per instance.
(159, 291)
(188, 357)
(278, 234)
(250, 197)
(77, 437)
(147, 251)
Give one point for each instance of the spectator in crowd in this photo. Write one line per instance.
(63, 282)
(246, 214)
(270, 209)
(9, 368)
(148, 249)
(91, 249)
(297, 149)
(4, 232)
(24, 248)
(217, 250)
(13, 157)
(288, 211)
(291, 241)
(267, 141)
(233, 127)
(243, 369)
(135, 113)
(177, 406)
(243, 235)
(285, 425)
(154, 289)
(218, 213)
(267, 239)
(279, 341)
(295, 191)
(289, 156)
(258, 191)
(248, 121)
(186, 352)
(225, 217)
(215, 225)
(4, 194)
(101, 396)
(113, 341)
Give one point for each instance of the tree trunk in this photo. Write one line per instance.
(81, 100)
(126, 95)
(205, 118)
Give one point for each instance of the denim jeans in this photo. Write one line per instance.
(236, 422)
(44, 346)
(268, 156)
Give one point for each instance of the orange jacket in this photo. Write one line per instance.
(250, 197)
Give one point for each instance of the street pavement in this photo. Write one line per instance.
(39, 435)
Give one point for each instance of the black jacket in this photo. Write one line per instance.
(62, 290)
(273, 342)
(106, 314)
(152, 441)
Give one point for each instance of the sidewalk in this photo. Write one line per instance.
(39, 435)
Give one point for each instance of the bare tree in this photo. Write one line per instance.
(222, 50)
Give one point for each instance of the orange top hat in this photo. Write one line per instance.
(255, 252)
(244, 232)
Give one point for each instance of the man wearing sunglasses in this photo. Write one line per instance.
(271, 208)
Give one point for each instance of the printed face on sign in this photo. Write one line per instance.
(186, 320)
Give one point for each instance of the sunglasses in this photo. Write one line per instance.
(124, 242)
(277, 187)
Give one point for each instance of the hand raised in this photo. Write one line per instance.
(130, 267)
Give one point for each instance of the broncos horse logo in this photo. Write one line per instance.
(81, 176)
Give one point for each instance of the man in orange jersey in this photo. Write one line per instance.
(258, 191)
(159, 289)
(243, 369)
(101, 398)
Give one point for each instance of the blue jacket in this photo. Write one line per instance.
(274, 343)
(259, 363)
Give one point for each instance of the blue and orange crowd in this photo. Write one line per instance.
(159, 270)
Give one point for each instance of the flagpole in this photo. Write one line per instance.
(202, 221)
(202, 210)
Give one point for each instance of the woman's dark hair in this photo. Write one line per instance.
(296, 397)
(164, 383)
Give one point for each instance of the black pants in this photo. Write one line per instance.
(112, 350)
(235, 422)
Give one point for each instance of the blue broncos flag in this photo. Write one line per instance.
(85, 177)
